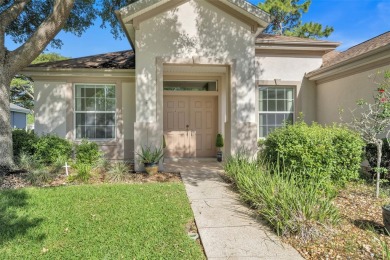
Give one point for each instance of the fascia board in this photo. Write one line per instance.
(249, 10)
(97, 73)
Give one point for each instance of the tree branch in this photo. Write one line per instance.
(25, 54)
(11, 13)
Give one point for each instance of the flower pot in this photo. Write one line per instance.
(386, 216)
(219, 156)
(151, 168)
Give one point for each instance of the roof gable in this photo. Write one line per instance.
(132, 15)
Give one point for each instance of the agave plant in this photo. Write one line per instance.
(149, 155)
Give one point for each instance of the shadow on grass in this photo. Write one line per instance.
(12, 223)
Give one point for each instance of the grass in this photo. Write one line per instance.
(289, 202)
(110, 221)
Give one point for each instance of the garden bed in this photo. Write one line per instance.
(361, 233)
(17, 179)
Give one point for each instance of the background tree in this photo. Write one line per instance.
(22, 87)
(34, 24)
(287, 16)
(372, 120)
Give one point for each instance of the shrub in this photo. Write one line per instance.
(102, 164)
(289, 202)
(83, 172)
(23, 142)
(58, 165)
(28, 162)
(38, 176)
(51, 148)
(219, 141)
(348, 154)
(87, 152)
(118, 172)
(334, 152)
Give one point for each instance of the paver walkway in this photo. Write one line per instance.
(227, 228)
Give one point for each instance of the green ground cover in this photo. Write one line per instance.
(121, 221)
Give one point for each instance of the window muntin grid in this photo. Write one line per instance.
(276, 107)
(95, 111)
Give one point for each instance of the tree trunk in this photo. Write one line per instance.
(379, 145)
(6, 152)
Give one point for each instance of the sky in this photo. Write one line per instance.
(354, 21)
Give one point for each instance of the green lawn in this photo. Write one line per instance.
(139, 221)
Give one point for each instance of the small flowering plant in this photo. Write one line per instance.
(372, 120)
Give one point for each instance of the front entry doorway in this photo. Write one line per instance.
(190, 126)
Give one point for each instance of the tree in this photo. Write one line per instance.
(287, 15)
(372, 120)
(34, 24)
(49, 57)
(22, 87)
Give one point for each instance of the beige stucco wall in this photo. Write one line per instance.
(54, 111)
(343, 93)
(289, 70)
(50, 107)
(128, 110)
(200, 31)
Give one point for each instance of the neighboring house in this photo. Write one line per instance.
(19, 116)
(199, 67)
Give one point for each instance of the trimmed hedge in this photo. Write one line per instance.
(334, 152)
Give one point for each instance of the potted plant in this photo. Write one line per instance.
(219, 144)
(150, 157)
(386, 216)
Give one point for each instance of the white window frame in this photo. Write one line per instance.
(259, 112)
(75, 111)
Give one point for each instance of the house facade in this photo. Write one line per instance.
(198, 68)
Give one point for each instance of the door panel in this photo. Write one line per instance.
(190, 125)
(175, 120)
(203, 117)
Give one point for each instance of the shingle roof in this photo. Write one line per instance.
(112, 60)
(357, 50)
(16, 108)
(271, 37)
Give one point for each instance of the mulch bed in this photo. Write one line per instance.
(17, 179)
(360, 232)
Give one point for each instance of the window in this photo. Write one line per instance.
(276, 107)
(95, 111)
(190, 85)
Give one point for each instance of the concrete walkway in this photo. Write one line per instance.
(227, 228)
